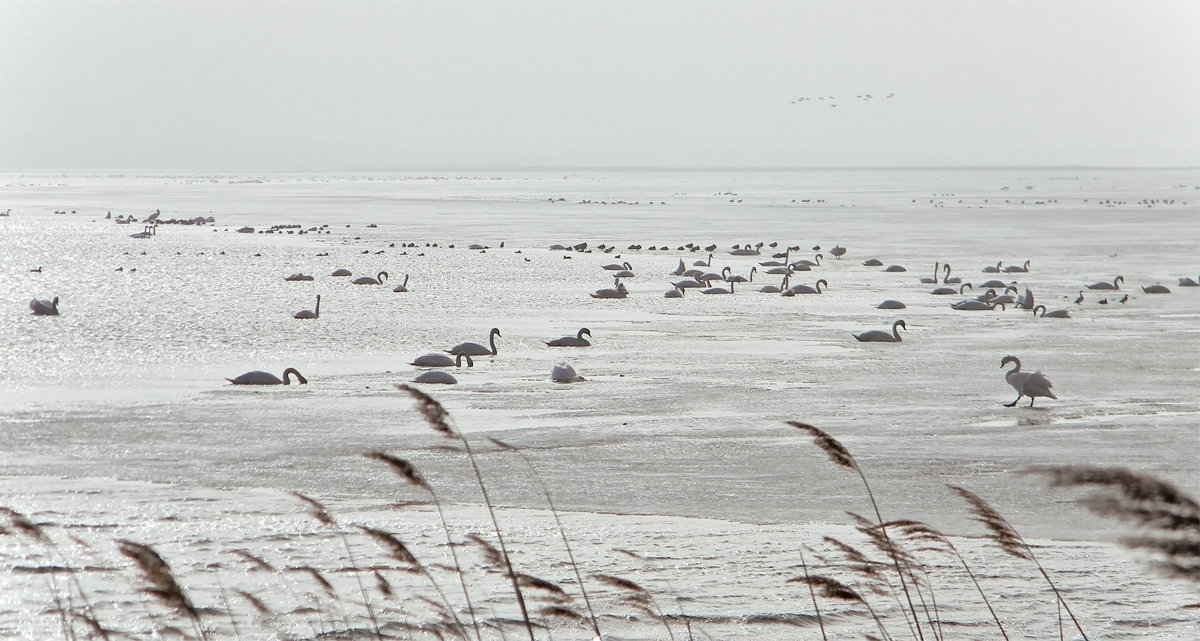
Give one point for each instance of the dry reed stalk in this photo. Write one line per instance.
(638, 597)
(318, 512)
(877, 535)
(409, 473)
(833, 589)
(562, 532)
(813, 595)
(1006, 536)
(163, 585)
(438, 418)
(923, 532)
(400, 552)
(1172, 517)
(842, 457)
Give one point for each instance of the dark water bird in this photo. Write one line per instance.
(838, 251)
(441, 377)
(880, 336)
(297, 277)
(1080, 298)
(341, 271)
(1116, 284)
(1014, 269)
(265, 378)
(573, 341)
(367, 280)
(936, 274)
(1124, 298)
(43, 307)
(1057, 313)
(1187, 281)
(36, 270)
(309, 313)
(475, 349)
(1156, 289)
(1028, 384)
(564, 373)
(891, 304)
(402, 287)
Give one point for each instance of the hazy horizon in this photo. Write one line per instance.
(417, 86)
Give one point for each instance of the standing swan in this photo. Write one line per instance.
(573, 341)
(402, 287)
(475, 349)
(367, 280)
(42, 307)
(1103, 285)
(1031, 385)
(308, 313)
(880, 336)
(265, 378)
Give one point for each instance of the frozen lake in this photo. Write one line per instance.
(118, 423)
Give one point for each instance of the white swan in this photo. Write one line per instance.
(341, 271)
(805, 289)
(943, 291)
(880, 336)
(948, 279)
(367, 280)
(439, 376)
(675, 292)
(308, 313)
(573, 341)
(618, 267)
(936, 272)
(1057, 313)
(1103, 285)
(43, 307)
(973, 305)
(718, 290)
(891, 304)
(611, 292)
(1027, 384)
(680, 269)
(993, 270)
(1013, 269)
(873, 262)
(1187, 281)
(266, 378)
(475, 349)
(1156, 289)
(563, 373)
(1026, 300)
(703, 263)
(777, 289)
(895, 268)
(402, 287)
(298, 276)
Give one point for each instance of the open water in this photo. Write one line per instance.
(671, 465)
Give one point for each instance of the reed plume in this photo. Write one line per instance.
(438, 418)
(833, 589)
(163, 585)
(637, 597)
(1005, 535)
(1171, 517)
(842, 457)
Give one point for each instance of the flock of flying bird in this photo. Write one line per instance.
(700, 276)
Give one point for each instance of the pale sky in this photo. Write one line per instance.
(406, 85)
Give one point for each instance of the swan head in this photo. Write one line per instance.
(1010, 359)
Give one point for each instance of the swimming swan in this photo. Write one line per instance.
(367, 280)
(42, 307)
(308, 313)
(1057, 313)
(265, 378)
(402, 287)
(936, 272)
(1103, 285)
(1027, 384)
(442, 377)
(1156, 289)
(435, 359)
(805, 289)
(880, 336)
(475, 349)
(574, 341)
(891, 304)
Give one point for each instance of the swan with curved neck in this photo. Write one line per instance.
(948, 279)
(574, 341)
(805, 289)
(1028, 384)
(1116, 284)
(475, 349)
(442, 377)
(367, 280)
(42, 307)
(993, 270)
(944, 291)
(1058, 313)
(1013, 269)
(308, 313)
(266, 378)
(880, 336)
(936, 272)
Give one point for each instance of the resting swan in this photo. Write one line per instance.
(805, 289)
(402, 287)
(574, 341)
(563, 373)
(435, 359)
(880, 336)
(442, 377)
(42, 307)
(367, 280)
(1058, 313)
(265, 378)
(1027, 384)
(1103, 285)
